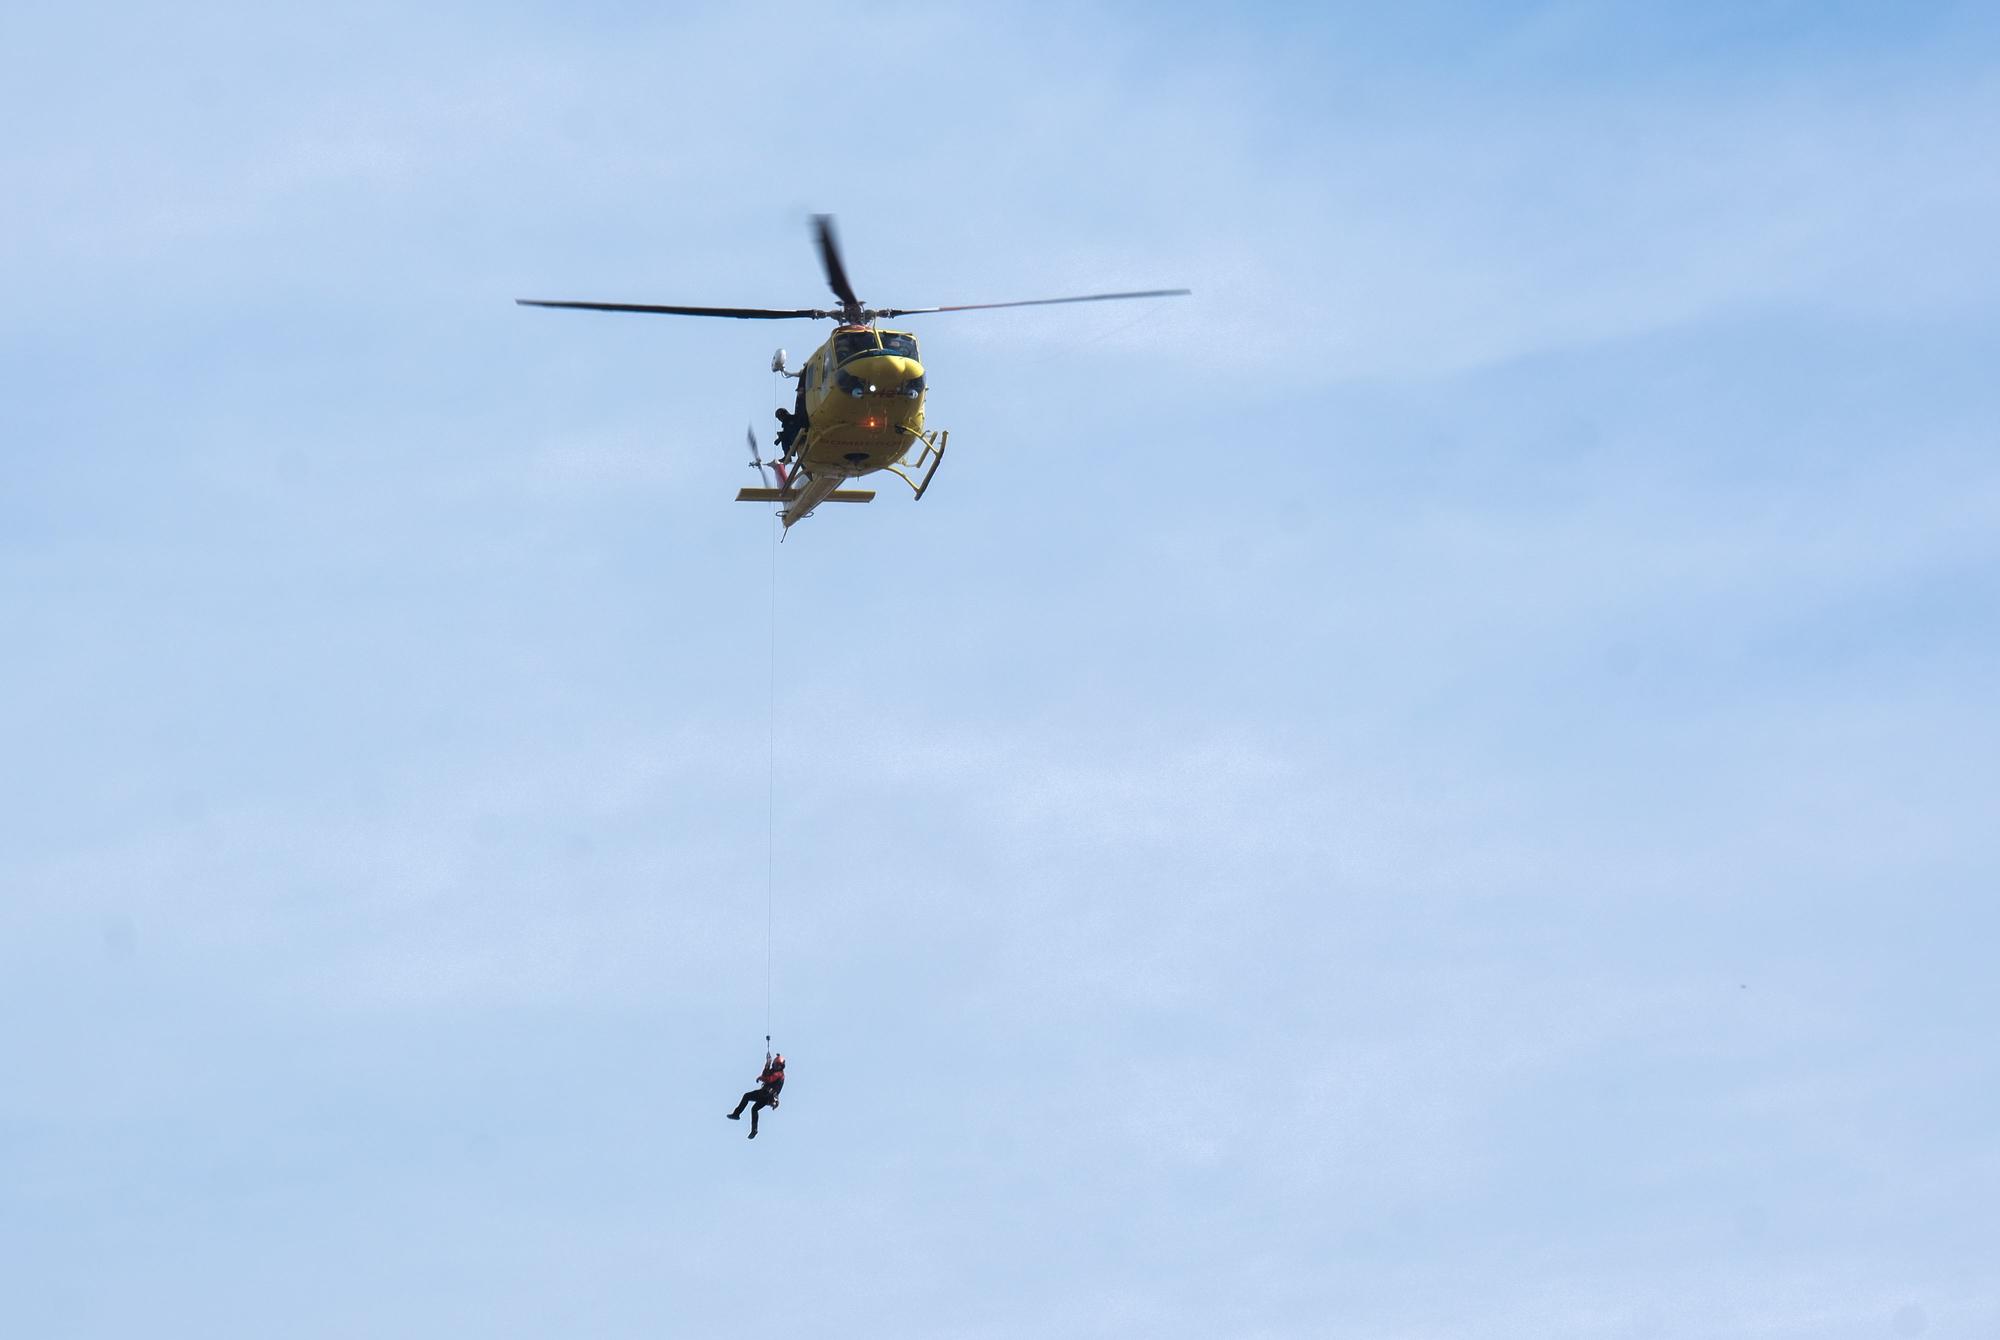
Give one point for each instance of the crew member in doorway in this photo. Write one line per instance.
(791, 423)
(765, 1094)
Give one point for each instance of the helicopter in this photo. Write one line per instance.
(860, 403)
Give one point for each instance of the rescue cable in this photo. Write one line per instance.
(771, 786)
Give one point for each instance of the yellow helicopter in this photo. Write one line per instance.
(860, 405)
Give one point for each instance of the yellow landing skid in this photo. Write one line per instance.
(793, 495)
(932, 455)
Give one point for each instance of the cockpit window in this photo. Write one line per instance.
(849, 343)
(906, 345)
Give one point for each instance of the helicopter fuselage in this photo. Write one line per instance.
(863, 393)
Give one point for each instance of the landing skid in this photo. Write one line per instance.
(933, 452)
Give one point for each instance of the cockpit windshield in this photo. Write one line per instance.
(851, 342)
(856, 343)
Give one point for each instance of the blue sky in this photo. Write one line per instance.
(1441, 786)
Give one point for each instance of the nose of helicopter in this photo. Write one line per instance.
(886, 371)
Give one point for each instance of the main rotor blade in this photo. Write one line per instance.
(829, 255)
(1036, 302)
(743, 313)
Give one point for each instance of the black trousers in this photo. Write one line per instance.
(756, 1100)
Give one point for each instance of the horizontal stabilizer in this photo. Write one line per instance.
(792, 495)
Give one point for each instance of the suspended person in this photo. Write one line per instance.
(765, 1094)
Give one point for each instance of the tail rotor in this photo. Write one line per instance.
(762, 466)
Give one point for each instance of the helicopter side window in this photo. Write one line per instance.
(905, 345)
